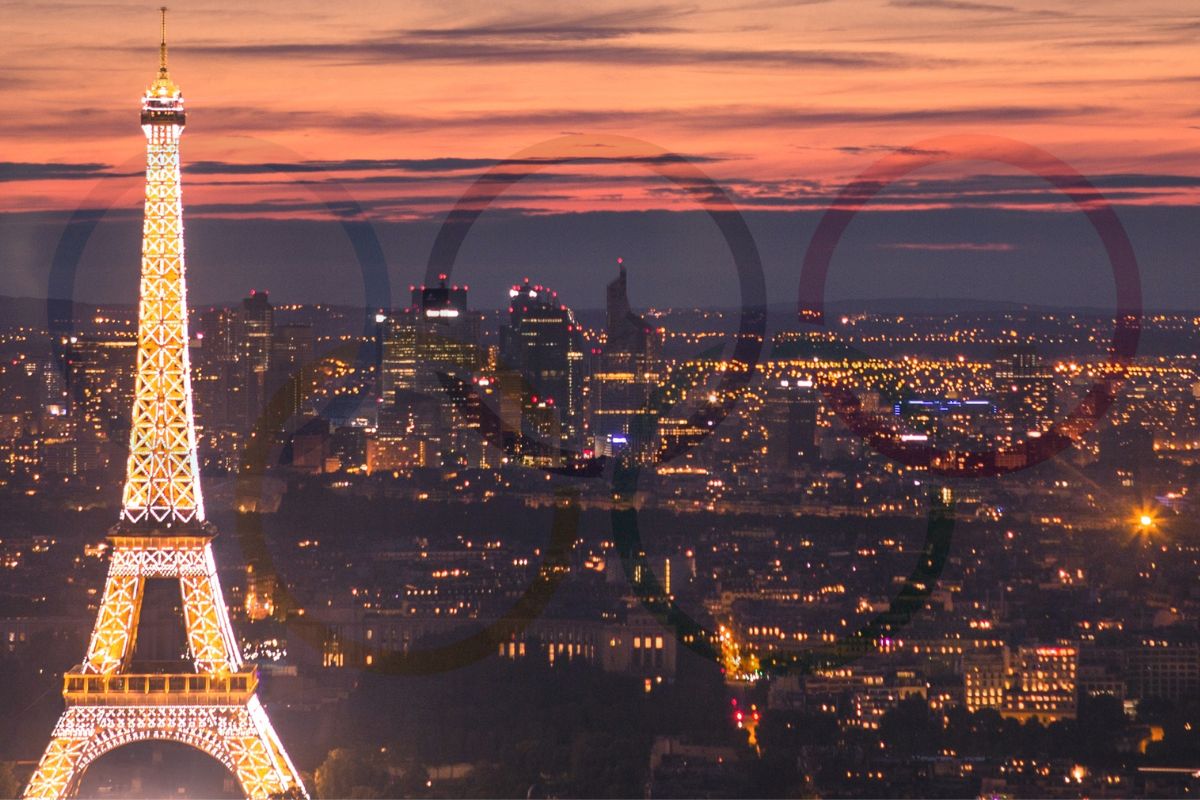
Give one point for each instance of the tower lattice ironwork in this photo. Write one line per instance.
(114, 698)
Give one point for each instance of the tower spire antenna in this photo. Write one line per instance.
(162, 43)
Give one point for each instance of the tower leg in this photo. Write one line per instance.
(116, 625)
(210, 637)
(240, 737)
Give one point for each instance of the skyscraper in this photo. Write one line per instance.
(253, 330)
(544, 344)
(219, 387)
(426, 350)
(1025, 389)
(791, 421)
(436, 333)
(100, 378)
(623, 415)
(292, 347)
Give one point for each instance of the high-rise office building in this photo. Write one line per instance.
(292, 344)
(543, 343)
(436, 333)
(292, 348)
(233, 361)
(244, 359)
(1024, 389)
(791, 422)
(397, 356)
(257, 321)
(215, 329)
(427, 350)
(623, 412)
(53, 400)
(252, 331)
(100, 372)
(220, 393)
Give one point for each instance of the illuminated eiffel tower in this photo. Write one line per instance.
(213, 705)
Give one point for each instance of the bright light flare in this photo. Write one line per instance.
(1145, 521)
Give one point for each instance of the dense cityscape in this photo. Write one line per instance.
(553, 541)
(392, 494)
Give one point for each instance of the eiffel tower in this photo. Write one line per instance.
(211, 703)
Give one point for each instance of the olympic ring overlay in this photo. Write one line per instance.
(625, 476)
(1127, 322)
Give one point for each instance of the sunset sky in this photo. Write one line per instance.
(401, 106)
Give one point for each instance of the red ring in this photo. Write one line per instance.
(962, 147)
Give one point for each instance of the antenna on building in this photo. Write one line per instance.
(162, 44)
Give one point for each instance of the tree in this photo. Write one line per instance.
(348, 773)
